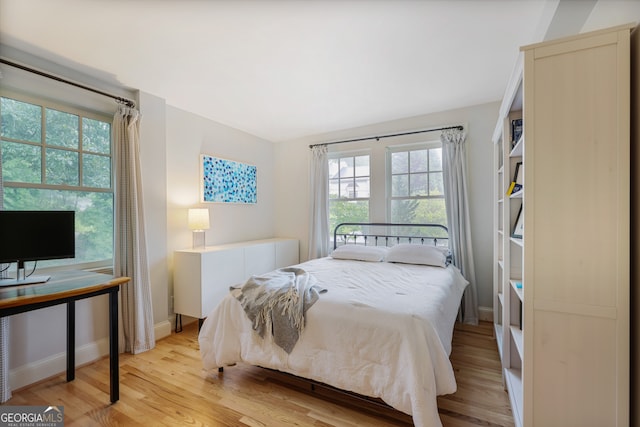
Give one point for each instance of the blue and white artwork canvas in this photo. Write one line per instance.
(226, 181)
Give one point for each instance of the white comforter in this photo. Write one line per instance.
(382, 330)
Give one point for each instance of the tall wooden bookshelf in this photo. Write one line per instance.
(561, 290)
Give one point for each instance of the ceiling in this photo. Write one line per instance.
(283, 70)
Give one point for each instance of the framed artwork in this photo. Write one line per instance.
(518, 229)
(227, 181)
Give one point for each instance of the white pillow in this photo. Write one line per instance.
(418, 254)
(360, 252)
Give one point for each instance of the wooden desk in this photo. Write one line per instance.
(68, 287)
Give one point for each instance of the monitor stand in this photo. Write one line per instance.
(31, 280)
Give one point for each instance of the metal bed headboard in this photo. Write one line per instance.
(378, 234)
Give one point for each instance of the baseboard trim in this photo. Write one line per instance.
(162, 329)
(485, 313)
(56, 364)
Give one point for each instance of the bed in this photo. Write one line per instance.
(382, 329)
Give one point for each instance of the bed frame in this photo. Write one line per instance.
(389, 234)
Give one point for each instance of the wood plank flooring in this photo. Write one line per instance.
(167, 386)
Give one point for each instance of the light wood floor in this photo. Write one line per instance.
(167, 386)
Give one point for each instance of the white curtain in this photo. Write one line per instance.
(130, 245)
(456, 199)
(319, 204)
(5, 387)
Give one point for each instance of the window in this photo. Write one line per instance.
(59, 158)
(416, 183)
(349, 189)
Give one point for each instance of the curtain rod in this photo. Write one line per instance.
(459, 127)
(125, 101)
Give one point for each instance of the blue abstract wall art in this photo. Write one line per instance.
(226, 181)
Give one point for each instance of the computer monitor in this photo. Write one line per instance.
(35, 236)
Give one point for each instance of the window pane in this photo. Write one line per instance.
(418, 184)
(334, 188)
(21, 163)
(362, 187)
(96, 171)
(347, 211)
(416, 194)
(436, 186)
(96, 136)
(347, 188)
(399, 185)
(418, 161)
(21, 120)
(94, 218)
(400, 162)
(62, 129)
(346, 167)
(62, 167)
(348, 180)
(435, 159)
(431, 211)
(334, 168)
(362, 166)
(404, 211)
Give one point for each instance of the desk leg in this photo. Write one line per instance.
(113, 346)
(71, 340)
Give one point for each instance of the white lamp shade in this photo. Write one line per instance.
(198, 219)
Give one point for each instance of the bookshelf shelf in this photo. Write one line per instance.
(513, 380)
(517, 148)
(518, 290)
(517, 195)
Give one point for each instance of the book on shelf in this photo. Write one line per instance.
(516, 187)
(516, 131)
(517, 183)
(518, 229)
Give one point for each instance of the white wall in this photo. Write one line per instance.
(292, 162)
(153, 165)
(608, 13)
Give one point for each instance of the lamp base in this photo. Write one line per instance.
(198, 240)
